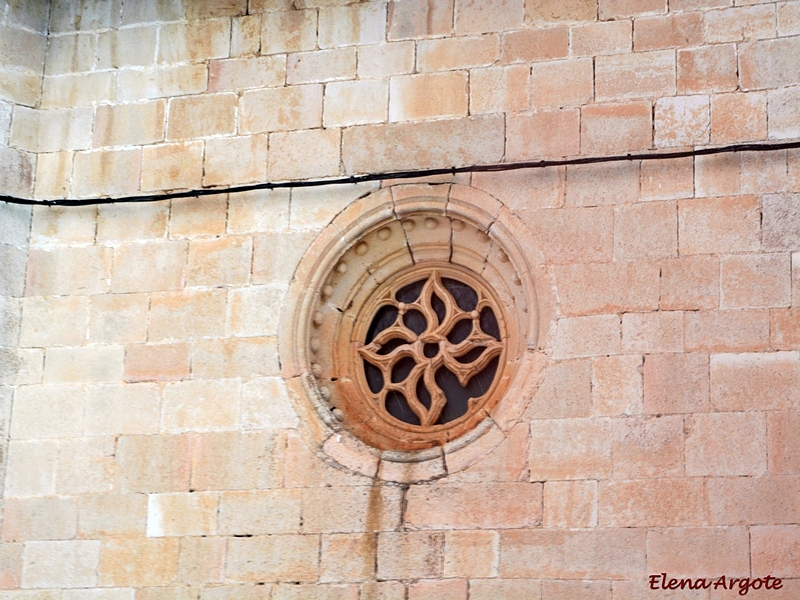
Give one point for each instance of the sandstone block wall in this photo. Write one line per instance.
(151, 447)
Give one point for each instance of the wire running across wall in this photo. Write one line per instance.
(411, 174)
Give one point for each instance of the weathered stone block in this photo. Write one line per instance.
(232, 74)
(156, 362)
(774, 550)
(200, 405)
(529, 45)
(676, 383)
(645, 231)
(727, 331)
(474, 506)
(593, 554)
(652, 332)
(231, 161)
(738, 117)
(755, 281)
(121, 222)
(385, 60)
(677, 30)
(181, 514)
(31, 468)
(565, 391)
(265, 405)
(85, 465)
(562, 83)
(194, 41)
(612, 37)
(720, 225)
(548, 11)
(220, 261)
(696, 552)
(129, 124)
(570, 504)
(137, 562)
(781, 222)
(67, 564)
(457, 53)
(68, 271)
(291, 31)
(187, 315)
(259, 513)
(54, 321)
(616, 128)
(761, 381)
(710, 447)
(783, 429)
(588, 455)
(304, 154)
(231, 460)
(617, 385)
(87, 364)
(106, 172)
(410, 555)
(451, 142)
(51, 130)
(140, 84)
(200, 116)
(321, 65)
(752, 500)
(273, 558)
(648, 447)
(682, 121)
(355, 103)
(428, 96)
(607, 287)
(242, 357)
(357, 24)
(123, 409)
(45, 518)
(112, 514)
(351, 509)
(667, 179)
(281, 109)
(157, 463)
(348, 557)
(438, 589)
(707, 69)
(769, 64)
(419, 19)
(572, 235)
(623, 75)
(495, 15)
(690, 283)
(172, 166)
(544, 134)
(596, 335)
(202, 560)
(509, 589)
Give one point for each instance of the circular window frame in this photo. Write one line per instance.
(372, 240)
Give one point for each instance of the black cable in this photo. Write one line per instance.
(753, 147)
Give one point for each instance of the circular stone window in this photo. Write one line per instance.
(431, 351)
(412, 314)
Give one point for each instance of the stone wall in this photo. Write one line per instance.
(23, 45)
(155, 451)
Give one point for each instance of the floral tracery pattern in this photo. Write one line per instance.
(433, 348)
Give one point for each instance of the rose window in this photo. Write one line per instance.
(414, 315)
(432, 348)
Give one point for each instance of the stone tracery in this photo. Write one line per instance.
(425, 334)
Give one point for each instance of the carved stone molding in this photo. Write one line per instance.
(412, 315)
